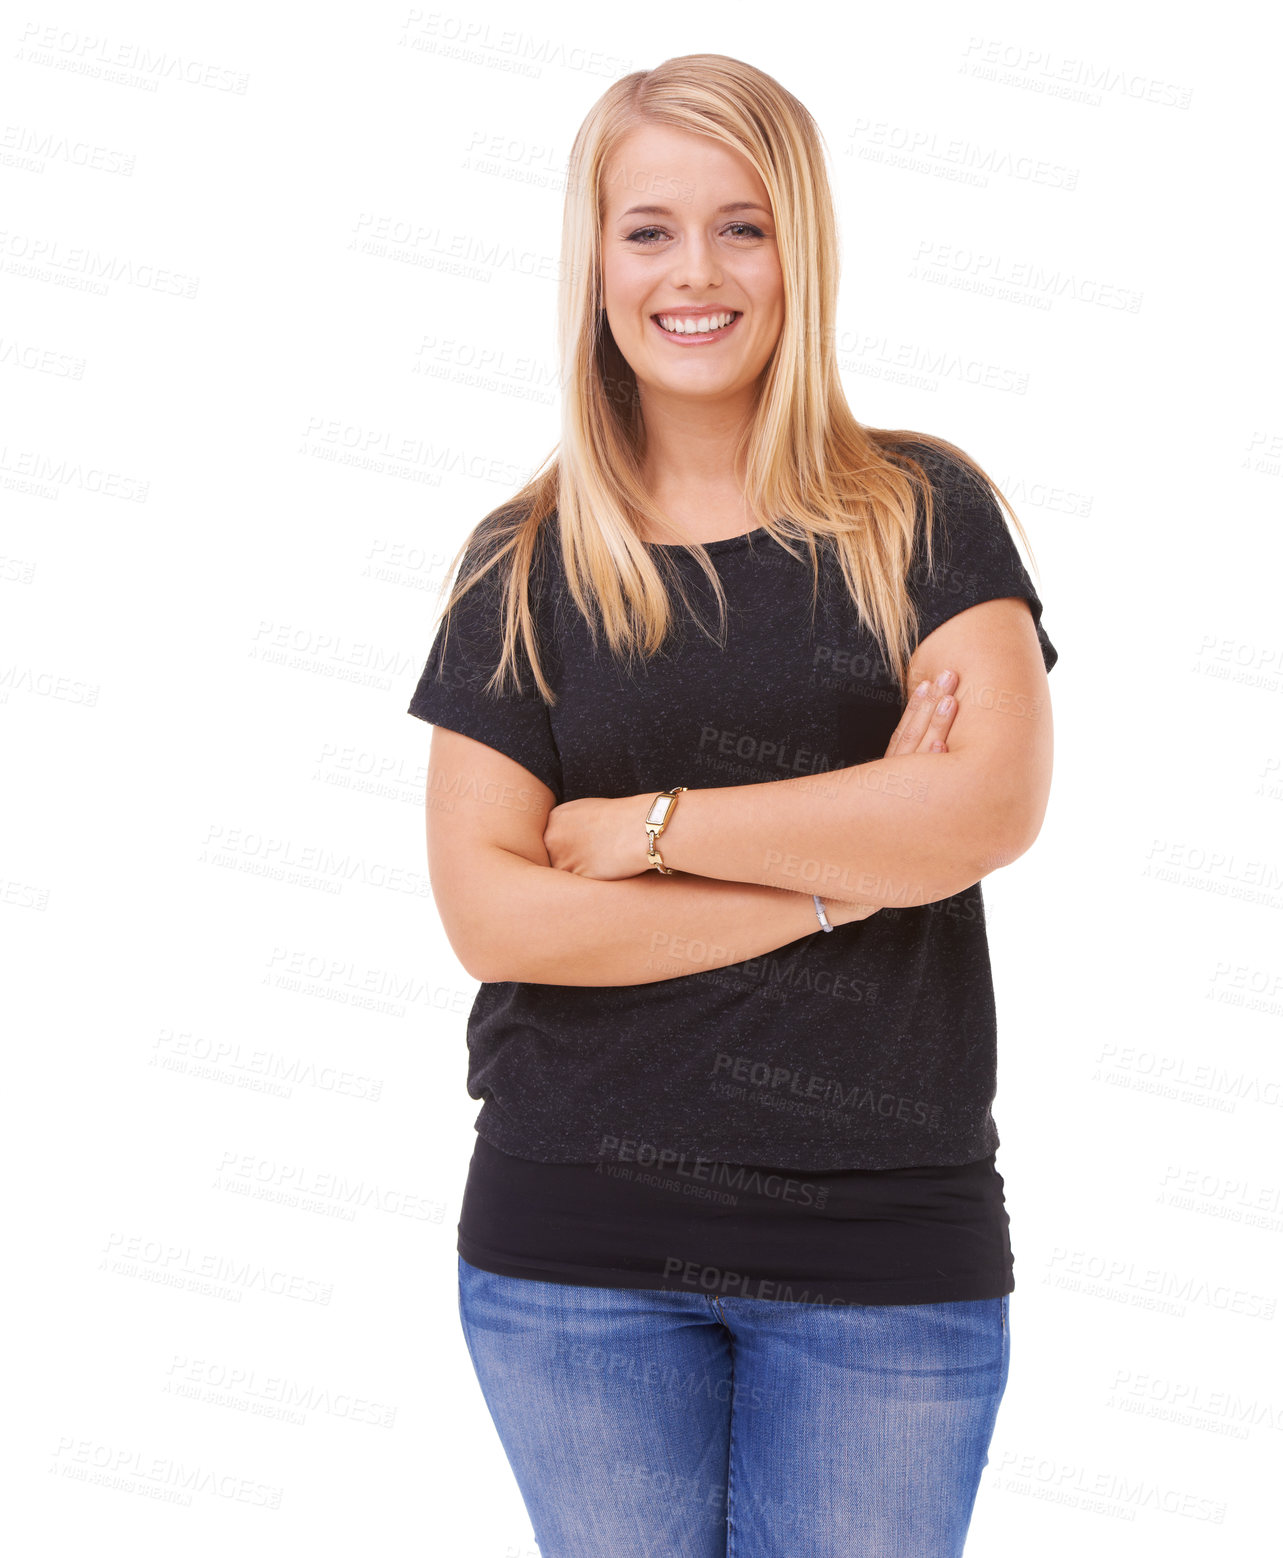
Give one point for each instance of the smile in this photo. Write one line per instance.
(687, 332)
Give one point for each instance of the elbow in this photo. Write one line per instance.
(498, 938)
(505, 966)
(474, 961)
(496, 914)
(492, 962)
(1014, 832)
(981, 839)
(483, 955)
(498, 957)
(482, 969)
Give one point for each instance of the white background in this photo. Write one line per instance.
(240, 444)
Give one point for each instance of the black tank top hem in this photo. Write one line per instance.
(794, 1290)
(921, 1235)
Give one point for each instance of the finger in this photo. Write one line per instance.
(934, 722)
(943, 713)
(914, 721)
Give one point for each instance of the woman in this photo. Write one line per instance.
(734, 1267)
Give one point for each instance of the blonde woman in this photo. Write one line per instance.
(736, 703)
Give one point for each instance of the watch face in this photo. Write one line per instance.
(659, 810)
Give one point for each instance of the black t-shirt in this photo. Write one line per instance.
(870, 1047)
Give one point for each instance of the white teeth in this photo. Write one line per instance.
(692, 325)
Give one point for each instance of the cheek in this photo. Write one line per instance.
(627, 301)
(776, 295)
(765, 285)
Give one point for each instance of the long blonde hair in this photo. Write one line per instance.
(813, 472)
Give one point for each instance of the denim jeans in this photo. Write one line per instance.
(656, 1424)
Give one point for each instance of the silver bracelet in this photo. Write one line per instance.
(820, 914)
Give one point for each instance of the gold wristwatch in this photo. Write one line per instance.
(657, 820)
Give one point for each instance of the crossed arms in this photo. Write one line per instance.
(532, 891)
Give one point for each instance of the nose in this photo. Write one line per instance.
(695, 263)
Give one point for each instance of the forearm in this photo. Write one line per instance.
(900, 831)
(539, 925)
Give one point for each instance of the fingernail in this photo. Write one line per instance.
(943, 679)
(923, 689)
(944, 705)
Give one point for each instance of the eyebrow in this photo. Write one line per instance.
(735, 205)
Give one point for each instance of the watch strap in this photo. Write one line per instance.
(654, 829)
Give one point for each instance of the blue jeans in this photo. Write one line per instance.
(655, 1424)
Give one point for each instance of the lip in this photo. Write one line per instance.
(695, 313)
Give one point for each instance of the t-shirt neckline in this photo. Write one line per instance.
(726, 544)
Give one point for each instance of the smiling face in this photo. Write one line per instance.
(688, 240)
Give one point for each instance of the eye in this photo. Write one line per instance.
(749, 232)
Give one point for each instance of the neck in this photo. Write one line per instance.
(689, 464)
(689, 444)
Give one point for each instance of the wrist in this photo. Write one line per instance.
(638, 838)
(664, 838)
(843, 913)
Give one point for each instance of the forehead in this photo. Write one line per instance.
(661, 170)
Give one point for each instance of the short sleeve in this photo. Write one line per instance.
(452, 689)
(974, 555)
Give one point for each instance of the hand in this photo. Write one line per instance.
(600, 838)
(922, 728)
